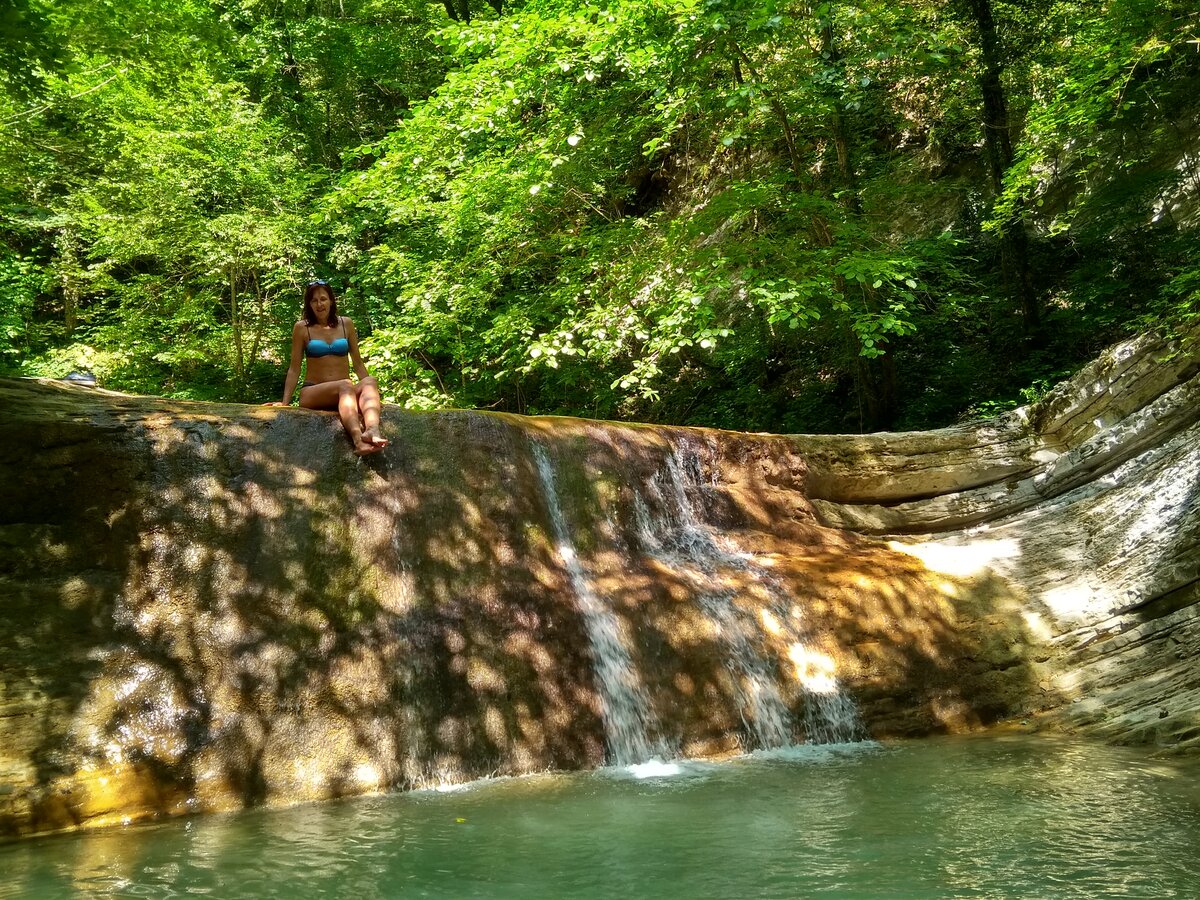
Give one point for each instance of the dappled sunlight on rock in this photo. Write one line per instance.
(310, 620)
(770, 622)
(816, 671)
(975, 557)
(219, 606)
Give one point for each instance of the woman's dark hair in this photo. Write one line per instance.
(310, 317)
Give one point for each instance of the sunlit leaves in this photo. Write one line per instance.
(200, 201)
(723, 209)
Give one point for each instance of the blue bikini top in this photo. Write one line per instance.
(317, 347)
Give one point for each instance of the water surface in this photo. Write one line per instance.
(1013, 816)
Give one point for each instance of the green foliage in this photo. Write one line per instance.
(338, 75)
(531, 221)
(1134, 79)
(30, 46)
(20, 283)
(741, 213)
(194, 235)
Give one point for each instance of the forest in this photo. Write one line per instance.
(763, 215)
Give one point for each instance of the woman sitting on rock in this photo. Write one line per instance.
(329, 342)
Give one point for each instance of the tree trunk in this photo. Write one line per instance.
(848, 194)
(256, 333)
(876, 384)
(997, 141)
(239, 357)
(69, 278)
(738, 59)
(458, 10)
(874, 378)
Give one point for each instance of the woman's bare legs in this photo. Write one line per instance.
(352, 420)
(343, 396)
(370, 405)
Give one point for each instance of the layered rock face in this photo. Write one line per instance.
(208, 607)
(1087, 506)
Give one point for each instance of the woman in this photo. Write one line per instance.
(329, 342)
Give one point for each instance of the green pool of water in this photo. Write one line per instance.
(980, 817)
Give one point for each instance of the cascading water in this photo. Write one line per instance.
(680, 540)
(264, 620)
(765, 715)
(628, 718)
(831, 717)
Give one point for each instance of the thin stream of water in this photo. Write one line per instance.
(675, 535)
(628, 717)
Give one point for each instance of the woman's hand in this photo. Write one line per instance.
(275, 403)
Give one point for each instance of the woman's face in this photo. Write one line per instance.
(321, 301)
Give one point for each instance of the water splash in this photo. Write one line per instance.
(832, 718)
(654, 769)
(679, 538)
(625, 708)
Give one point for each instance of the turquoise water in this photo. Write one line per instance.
(978, 817)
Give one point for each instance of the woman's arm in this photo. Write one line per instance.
(360, 368)
(293, 372)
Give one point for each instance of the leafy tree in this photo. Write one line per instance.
(189, 245)
(757, 214)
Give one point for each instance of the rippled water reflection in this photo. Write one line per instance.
(980, 817)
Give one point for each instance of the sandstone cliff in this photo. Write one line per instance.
(207, 607)
(1087, 505)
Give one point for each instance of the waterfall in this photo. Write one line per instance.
(769, 721)
(680, 540)
(832, 718)
(624, 706)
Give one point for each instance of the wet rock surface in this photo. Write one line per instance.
(208, 607)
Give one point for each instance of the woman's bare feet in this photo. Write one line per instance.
(364, 448)
(372, 436)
